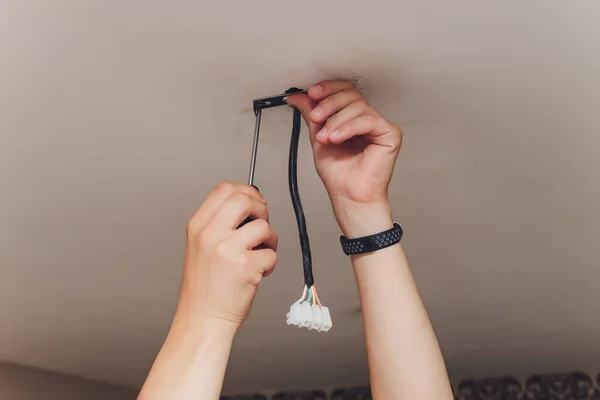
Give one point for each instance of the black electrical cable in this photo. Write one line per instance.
(295, 195)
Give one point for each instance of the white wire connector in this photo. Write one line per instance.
(313, 316)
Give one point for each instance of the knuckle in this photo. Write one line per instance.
(204, 236)
(334, 122)
(241, 200)
(398, 130)
(262, 226)
(223, 249)
(225, 188)
(396, 134)
(273, 258)
(258, 209)
(372, 119)
(360, 105)
(325, 85)
(399, 135)
(337, 83)
(356, 94)
(192, 228)
(394, 129)
(368, 120)
(255, 278)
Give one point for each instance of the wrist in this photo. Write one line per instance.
(203, 326)
(362, 219)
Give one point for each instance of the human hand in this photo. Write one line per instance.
(221, 269)
(355, 150)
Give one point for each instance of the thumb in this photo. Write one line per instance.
(305, 105)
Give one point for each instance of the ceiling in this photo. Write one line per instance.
(117, 118)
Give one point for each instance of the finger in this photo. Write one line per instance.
(333, 104)
(327, 88)
(352, 111)
(301, 101)
(256, 233)
(264, 261)
(217, 197)
(305, 105)
(237, 208)
(378, 130)
(223, 191)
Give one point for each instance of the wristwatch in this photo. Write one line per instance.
(368, 244)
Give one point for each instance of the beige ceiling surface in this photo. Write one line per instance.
(116, 119)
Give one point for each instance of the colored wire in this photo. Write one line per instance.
(310, 295)
(303, 294)
(317, 296)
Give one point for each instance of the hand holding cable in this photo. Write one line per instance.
(355, 149)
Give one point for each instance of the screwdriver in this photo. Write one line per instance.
(253, 157)
(254, 148)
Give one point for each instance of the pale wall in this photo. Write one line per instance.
(23, 383)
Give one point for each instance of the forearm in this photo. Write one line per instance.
(405, 361)
(192, 362)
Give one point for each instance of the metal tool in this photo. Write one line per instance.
(254, 147)
(259, 105)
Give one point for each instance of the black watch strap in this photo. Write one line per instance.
(368, 244)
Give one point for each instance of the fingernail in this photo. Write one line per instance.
(285, 99)
(317, 112)
(334, 133)
(322, 133)
(316, 89)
